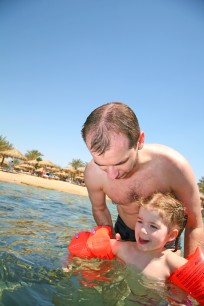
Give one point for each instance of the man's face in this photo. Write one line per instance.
(118, 161)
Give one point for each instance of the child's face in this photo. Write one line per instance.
(150, 231)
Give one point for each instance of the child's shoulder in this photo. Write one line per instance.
(120, 246)
(174, 260)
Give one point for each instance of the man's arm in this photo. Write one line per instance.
(193, 237)
(194, 233)
(186, 190)
(100, 210)
(97, 197)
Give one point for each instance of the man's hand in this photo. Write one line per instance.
(117, 236)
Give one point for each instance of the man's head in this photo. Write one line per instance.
(108, 119)
(113, 137)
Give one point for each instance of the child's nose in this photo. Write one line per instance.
(143, 230)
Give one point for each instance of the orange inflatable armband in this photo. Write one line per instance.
(78, 245)
(99, 242)
(190, 276)
(92, 244)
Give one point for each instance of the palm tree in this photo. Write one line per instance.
(5, 144)
(33, 155)
(201, 185)
(76, 163)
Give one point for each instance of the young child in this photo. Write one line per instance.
(161, 218)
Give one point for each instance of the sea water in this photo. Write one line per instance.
(36, 268)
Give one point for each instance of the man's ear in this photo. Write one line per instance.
(141, 140)
(173, 234)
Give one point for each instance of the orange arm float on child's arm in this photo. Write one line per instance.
(95, 244)
(190, 276)
(78, 245)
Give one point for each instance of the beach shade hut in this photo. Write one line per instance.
(23, 167)
(26, 166)
(13, 153)
(32, 162)
(69, 169)
(71, 172)
(80, 169)
(39, 170)
(17, 167)
(5, 163)
(80, 173)
(61, 174)
(46, 163)
(54, 169)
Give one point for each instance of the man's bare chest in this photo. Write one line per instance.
(125, 191)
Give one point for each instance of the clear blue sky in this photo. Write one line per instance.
(60, 59)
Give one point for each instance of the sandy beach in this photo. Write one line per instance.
(27, 179)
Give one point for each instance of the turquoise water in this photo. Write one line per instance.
(35, 266)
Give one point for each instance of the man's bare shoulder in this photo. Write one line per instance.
(93, 174)
(92, 169)
(167, 154)
(164, 160)
(163, 150)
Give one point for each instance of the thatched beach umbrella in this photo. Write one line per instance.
(69, 169)
(5, 163)
(79, 177)
(26, 166)
(81, 169)
(23, 167)
(32, 162)
(61, 174)
(14, 153)
(46, 163)
(39, 170)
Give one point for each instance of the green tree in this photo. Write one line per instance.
(39, 159)
(5, 144)
(33, 155)
(16, 161)
(201, 185)
(76, 163)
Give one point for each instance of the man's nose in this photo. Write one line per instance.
(112, 172)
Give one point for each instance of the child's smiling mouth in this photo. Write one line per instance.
(142, 241)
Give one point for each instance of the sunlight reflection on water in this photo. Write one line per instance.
(36, 226)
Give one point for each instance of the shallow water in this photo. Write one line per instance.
(35, 266)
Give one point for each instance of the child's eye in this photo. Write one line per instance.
(154, 226)
(139, 221)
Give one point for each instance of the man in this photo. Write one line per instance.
(124, 169)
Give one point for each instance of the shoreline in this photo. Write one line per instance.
(27, 179)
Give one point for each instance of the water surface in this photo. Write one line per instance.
(35, 266)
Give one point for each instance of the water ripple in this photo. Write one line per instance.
(36, 226)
